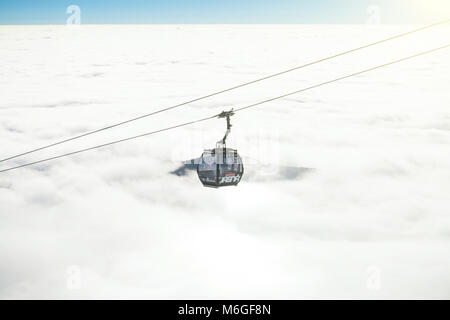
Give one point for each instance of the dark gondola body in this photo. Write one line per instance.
(220, 167)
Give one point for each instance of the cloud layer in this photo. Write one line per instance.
(371, 221)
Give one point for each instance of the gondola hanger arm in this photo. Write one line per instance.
(227, 115)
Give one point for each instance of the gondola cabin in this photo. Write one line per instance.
(220, 167)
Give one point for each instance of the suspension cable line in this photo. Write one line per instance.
(222, 91)
(236, 110)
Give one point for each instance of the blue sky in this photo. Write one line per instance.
(210, 11)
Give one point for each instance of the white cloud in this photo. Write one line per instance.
(379, 144)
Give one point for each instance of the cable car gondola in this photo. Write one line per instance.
(221, 166)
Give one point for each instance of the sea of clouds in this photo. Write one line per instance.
(372, 220)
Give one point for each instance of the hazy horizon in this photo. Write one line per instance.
(391, 12)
